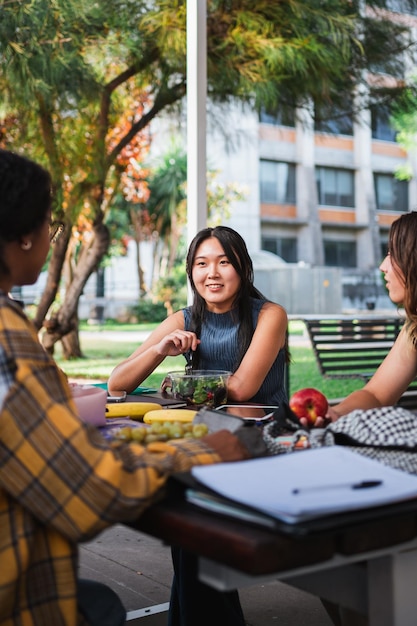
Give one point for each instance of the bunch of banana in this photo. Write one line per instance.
(134, 410)
(169, 415)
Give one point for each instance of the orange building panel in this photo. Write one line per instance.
(386, 219)
(346, 216)
(282, 211)
(333, 142)
(388, 149)
(276, 133)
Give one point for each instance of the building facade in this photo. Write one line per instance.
(313, 196)
(320, 191)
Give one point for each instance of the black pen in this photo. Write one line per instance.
(364, 484)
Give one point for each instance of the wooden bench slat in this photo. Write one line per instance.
(354, 348)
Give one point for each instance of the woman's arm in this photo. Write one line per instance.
(168, 339)
(388, 383)
(268, 339)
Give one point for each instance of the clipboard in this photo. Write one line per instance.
(180, 484)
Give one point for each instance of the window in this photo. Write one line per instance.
(277, 182)
(391, 193)
(340, 253)
(332, 119)
(389, 65)
(335, 187)
(384, 249)
(286, 248)
(280, 117)
(402, 6)
(381, 126)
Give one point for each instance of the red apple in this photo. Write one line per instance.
(309, 403)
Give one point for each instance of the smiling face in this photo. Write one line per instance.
(394, 278)
(214, 277)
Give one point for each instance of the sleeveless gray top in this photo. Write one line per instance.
(219, 347)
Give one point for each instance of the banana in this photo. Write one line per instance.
(169, 415)
(135, 410)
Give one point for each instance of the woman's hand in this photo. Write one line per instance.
(332, 415)
(322, 420)
(177, 342)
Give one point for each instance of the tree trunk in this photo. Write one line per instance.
(173, 241)
(97, 311)
(65, 320)
(71, 347)
(56, 264)
(136, 219)
(143, 289)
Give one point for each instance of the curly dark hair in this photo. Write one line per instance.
(25, 198)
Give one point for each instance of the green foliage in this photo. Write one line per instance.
(149, 311)
(404, 120)
(42, 47)
(304, 372)
(167, 188)
(103, 354)
(173, 288)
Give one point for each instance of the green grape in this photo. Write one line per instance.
(176, 431)
(162, 432)
(150, 438)
(199, 430)
(125, 433)
(139, 434)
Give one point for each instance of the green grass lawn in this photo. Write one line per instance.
(102, 355)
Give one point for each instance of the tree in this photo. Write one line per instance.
(70, 70)
(404, 120)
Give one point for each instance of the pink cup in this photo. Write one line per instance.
(91, 403)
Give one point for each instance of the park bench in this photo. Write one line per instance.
(354, 347)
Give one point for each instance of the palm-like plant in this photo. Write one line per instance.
(166, 207)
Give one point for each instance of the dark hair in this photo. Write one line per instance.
(25, 198)
(25, 195)
(236, 251)
(402, 247)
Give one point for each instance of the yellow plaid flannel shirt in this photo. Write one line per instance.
(60, 481)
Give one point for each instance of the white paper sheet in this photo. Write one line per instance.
(322, 479)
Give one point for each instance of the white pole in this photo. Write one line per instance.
(196, 116)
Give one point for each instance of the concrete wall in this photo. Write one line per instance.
(302, 290)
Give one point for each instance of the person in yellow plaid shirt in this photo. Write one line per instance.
(61, 482)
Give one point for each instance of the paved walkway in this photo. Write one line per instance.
(138, 336)
(139, 569)
(117, 336)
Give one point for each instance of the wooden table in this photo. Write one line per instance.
(368, 565)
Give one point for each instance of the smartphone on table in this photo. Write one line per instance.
(117, 396)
